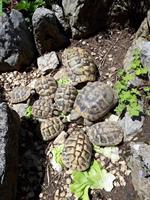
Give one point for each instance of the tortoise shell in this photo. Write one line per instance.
(20, 94)
(94, 101)
(42, 108)
(46, 86)
(51, 127)
(77, 151)
(107, 133)
(79, 64)
(64, 98)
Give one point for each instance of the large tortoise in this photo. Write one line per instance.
(107, 133)
(79, 65)
(77, 151)
(93, 102)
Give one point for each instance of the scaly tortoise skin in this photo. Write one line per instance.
(51, 127)
(93, 102)
(46, 86)
(77, 151)
(107, 133)
(79, 64)
(42, 108)
(64, 98)
(20, 94)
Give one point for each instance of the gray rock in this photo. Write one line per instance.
(130, 126)
(9, 132)
(137, 44)
(47, 31)
(16, 43)
(61, 17)
(145, 56)
(20, 108)
(139, 162)
(85, 17)
(47, 62)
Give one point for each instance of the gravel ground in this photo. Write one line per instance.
(36, 179)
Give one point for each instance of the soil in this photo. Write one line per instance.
(36, 179)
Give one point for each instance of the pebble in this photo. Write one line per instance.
(84, 43)
(116, 184)
(93, 53)
(40, 195)
(68, 181)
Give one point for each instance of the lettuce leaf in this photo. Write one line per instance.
(95, 178)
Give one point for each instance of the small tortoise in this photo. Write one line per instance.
(64, 98)
(79, 64)
(46, 86)
(42, 108)
(51, 127)
(107, 133)
(77, 151)
(20, 94)
(93, 102)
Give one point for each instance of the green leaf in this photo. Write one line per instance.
(28, 112)
(57, 151)
(64, 81)
(120, 108)
(95, 178)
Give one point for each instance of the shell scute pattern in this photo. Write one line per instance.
(94, 101)
(42, 108)
(20, 94)
(80, 65)
(105, 133)
(77, 151)
(51, 128)
(46, 86)
(64, 98)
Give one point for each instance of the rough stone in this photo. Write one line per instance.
(16, 43)
(138, 42)
(61, 17)
(145, 56)
(139, 162)
(48, 62)
(85, 17)
(20, 109)
(131, 126)
(47, 31)
(9, 132)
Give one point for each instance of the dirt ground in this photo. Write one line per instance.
(36, 180)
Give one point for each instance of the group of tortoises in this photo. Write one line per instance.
(91, 103)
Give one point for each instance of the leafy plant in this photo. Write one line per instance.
(28, 112)
(94, 178)
(128, 94)
(64, 81)
(56, 160)
(29, 6)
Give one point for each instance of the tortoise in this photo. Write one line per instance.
(46, 86)
(107, 133)
(64, 98)
(79, 65)
(77, 151)
(20, 94)
(51, 127)
(42, 108)
(93, 102)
